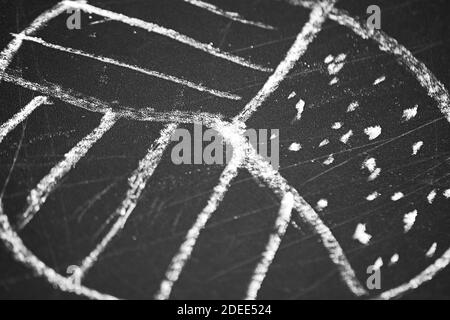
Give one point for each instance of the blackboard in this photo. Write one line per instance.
(363, 118)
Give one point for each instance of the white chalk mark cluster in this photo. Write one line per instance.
(334, 66)
(281, 225)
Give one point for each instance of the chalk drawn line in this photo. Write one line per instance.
(228, 14)
(151, 73)
(233, 133)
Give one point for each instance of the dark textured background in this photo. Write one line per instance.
(70, 223)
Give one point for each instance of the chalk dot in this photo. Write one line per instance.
(416, 147)
(379, 80)
(361, 234)
(329, 160)
(353, 106)
(337, 126)
(295, 147)
(431, 196)
(409, 114)
(373, 196)
(409, 220)
(373, 132)
(394, 259)
(346, 137)
(431, 252)
(322, 204)
(397, 196)
(446, 194)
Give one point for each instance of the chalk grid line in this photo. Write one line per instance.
(425, 77)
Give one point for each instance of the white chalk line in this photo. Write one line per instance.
(281, 225)
(444, 100)
(172, 34)
(136, 185)
(427, 275)
(435, 90)
(297, 50)
(21, 254)
(50, 182)
(8, 236)
(208, 120)
(151, 73)
(227, 14)
(308, 214)
(184, 253)
(309, 32)
(8, 53)
(424, 76)
(21, 116)
(98, 106)
(318, 16)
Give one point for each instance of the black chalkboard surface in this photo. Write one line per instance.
(93, 206)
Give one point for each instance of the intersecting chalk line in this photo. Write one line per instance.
(318, 16)
(182, 118)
